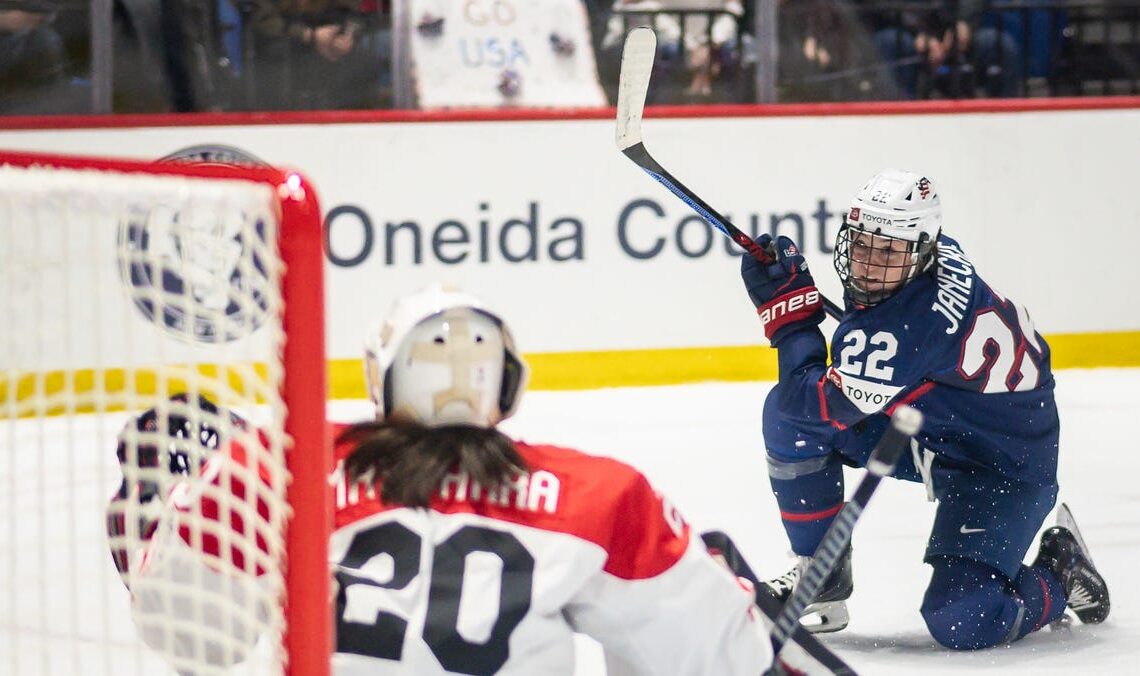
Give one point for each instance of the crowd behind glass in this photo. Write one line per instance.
(66, 57)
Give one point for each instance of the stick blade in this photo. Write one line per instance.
(633, 84)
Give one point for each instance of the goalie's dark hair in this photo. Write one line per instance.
(407, 461)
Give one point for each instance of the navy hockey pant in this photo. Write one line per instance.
(970, 605)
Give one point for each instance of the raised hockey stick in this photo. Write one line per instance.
(633, 84)
(905, 423)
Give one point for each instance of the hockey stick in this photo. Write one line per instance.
(905, 423)
(633, 84)
(719, 544)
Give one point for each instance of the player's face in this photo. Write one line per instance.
(879, 264)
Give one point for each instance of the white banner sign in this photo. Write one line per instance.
(492, 53)
(580, 250)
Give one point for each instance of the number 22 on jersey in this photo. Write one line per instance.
(992, 347)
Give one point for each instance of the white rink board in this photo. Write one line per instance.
(700, 445)
(1043, 201)
(71, 268)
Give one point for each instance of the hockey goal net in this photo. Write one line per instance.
(121, 285)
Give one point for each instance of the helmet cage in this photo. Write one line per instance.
(872, 266)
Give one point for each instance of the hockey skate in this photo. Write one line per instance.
(1064, 552)
(828, 612)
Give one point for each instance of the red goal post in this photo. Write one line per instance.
(124, 282)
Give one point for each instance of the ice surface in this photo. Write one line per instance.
(699, 444)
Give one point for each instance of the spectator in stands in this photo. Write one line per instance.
(203, 53)
(34, 73)
(1039, 31)
(690, 68)
(317, 54)
(947, 50)
(827, 55)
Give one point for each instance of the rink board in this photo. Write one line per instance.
(587, 257)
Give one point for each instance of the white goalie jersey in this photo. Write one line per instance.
(498, 581)
(483, 582)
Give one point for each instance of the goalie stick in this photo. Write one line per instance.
(719, 544)
(633, 84)
(905, 423)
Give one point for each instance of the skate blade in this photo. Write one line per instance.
(1065, 520)
(1063, 624)
(824, 618)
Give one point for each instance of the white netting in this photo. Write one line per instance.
(117, 291)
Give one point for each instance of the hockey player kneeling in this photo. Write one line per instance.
(457, 549)
(922, 328)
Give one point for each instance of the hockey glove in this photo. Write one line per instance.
(151, 464)
(783, 291)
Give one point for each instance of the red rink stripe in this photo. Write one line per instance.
(745, 110)
(811, 516)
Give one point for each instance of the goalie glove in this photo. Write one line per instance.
(155, 449)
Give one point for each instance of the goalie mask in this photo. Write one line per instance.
(440, 359)
(888, 236)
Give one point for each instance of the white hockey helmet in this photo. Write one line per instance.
(893, 205)
(439, 358)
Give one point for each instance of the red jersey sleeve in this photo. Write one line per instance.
(648, 536)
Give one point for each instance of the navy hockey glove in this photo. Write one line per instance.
(783, 291)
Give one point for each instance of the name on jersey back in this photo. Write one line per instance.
(530, 492)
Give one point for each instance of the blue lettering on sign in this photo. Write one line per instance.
(644, 229)
(492, 52)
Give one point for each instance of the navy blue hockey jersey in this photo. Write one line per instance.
(952, 347)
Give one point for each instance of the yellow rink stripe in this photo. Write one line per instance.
(114, 389)
(626, 368)
(1094, 350)
(85, 390)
